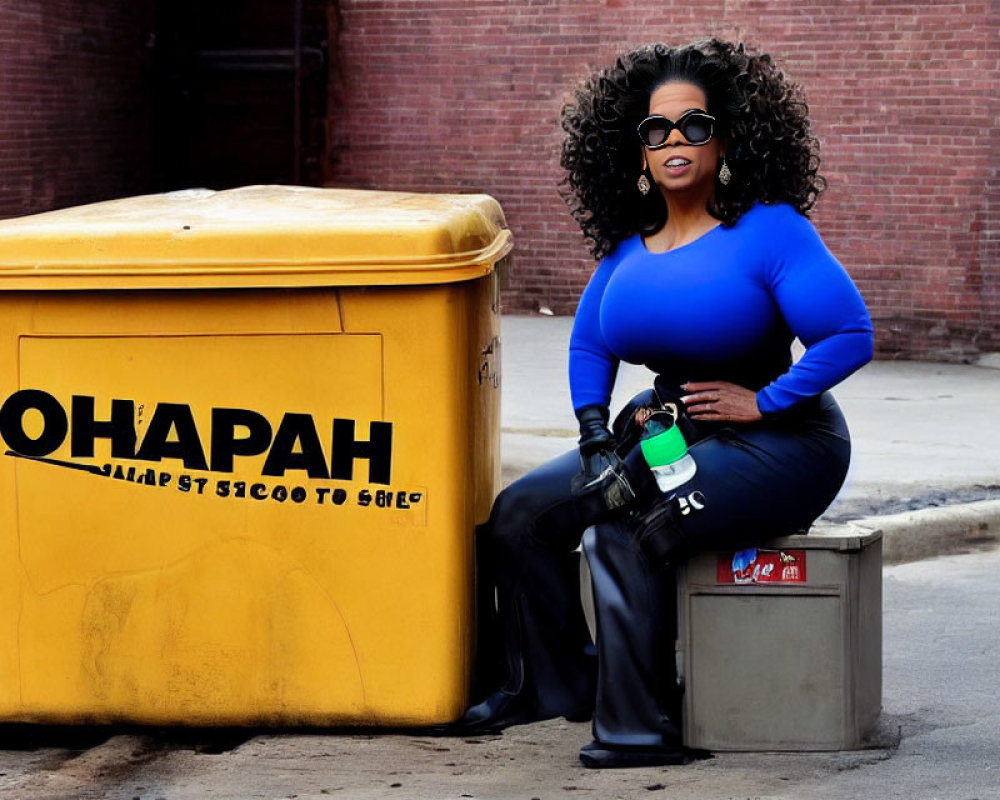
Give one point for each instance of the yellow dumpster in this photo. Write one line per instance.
(247, 436)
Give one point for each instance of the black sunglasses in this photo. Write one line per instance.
(695, 126)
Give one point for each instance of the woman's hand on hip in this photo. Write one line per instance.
(719, 401)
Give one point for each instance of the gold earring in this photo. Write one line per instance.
(725, 174)
(643, 185)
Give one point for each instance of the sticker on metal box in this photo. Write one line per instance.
(757, 565)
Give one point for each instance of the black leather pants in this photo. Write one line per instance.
(759, 481)
(533, 637)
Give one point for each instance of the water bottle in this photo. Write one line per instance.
(666, 453)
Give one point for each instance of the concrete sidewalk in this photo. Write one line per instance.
(926, 438)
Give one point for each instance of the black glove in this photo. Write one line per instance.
(596, 442)
(601, 487)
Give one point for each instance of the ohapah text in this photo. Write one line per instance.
(172, 433)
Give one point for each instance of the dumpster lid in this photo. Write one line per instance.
(256, 236)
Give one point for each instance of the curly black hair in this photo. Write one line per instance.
(772, 153)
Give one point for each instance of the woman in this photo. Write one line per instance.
(690, 170)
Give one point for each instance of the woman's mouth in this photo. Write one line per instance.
(677, 162)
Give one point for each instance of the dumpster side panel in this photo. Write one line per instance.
(485, 441)
(428, 362)
(171, 585)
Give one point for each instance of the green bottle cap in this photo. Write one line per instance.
(663, 448)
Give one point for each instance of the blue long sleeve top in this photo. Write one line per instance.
(724, 307)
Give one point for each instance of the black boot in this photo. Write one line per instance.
(498, 711)
(602, 756)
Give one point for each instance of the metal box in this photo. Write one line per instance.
(780, 647)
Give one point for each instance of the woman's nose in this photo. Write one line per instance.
(675, 138)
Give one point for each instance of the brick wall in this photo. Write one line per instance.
(74, 123)
(464, 95)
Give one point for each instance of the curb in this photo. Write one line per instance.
(932, 532)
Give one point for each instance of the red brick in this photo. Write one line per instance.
(75, 119)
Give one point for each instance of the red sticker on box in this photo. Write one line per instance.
(757, 565)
